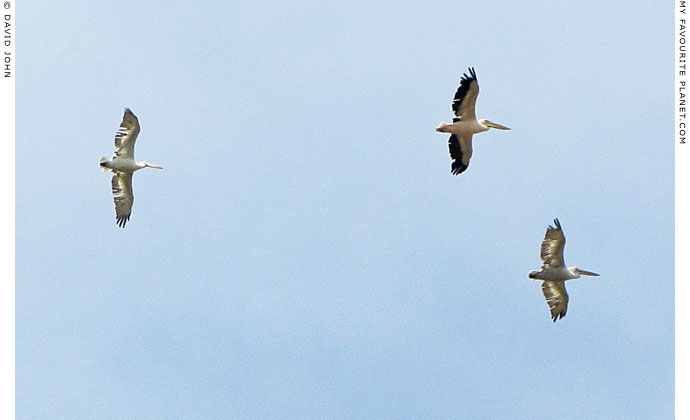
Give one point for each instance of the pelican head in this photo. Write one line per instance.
(145, 164)
(489, 124)
(579, 272)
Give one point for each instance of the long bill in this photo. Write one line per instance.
(495, 125)
(585, 273)
(151, 165)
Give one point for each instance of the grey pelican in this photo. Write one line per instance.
(465, 124)
(123, 166)
(554, 272)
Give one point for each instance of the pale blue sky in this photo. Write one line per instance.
(305, 253)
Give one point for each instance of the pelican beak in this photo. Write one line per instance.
(585, 273)
(151, 165)
(494, 125)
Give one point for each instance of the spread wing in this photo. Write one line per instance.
(126, 135)
(466, 96)
(556, 297)
(461, 152)
(123, 196)
(552, 246)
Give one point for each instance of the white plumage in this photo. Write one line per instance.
(465, 124)
(123, 166)
(554, 272)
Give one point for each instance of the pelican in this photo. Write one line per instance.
(465, 124)
(123, 166)
(554, 272)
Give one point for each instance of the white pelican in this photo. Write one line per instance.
(554, 272)
(465, 123)
(124, 165)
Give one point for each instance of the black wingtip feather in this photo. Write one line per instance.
(122, 221)
(456, 154)
(559, 315)
(557, 225)
(465, 82)
(129, 111)
(472, 76)
(457, 168)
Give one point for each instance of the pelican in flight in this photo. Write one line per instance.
(465, 124)
(123, 166)
(554, 272)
